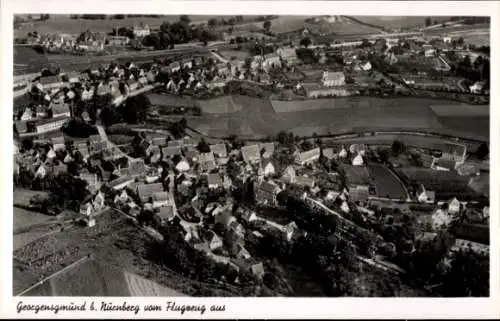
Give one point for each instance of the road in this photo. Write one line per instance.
(110, 144)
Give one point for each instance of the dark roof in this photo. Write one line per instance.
(147, 190)
(166, 212)
(60, 108)
(445, 163)
(49, 80)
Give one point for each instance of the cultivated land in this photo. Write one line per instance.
(387, 184)
(244, 116)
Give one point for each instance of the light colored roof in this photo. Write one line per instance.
(315, 152)
(250, 153)
(219, 149)
(214, 179)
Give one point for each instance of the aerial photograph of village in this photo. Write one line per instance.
(251, 156)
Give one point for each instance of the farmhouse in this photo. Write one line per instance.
(160, 199)
(425, 196)
(315, 91)
(58, 143)
(289, 55)
(141, 30)
(118, 40)
(219, 150)
(60, 109)
(51, 82)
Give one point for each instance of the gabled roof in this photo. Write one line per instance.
(49, 80)
(166, 212)
(147, 190)
(268, 187)
(214, 179)
(219, 149)
(251, 153)
(312, 153)
(160, 196)
(60, 108)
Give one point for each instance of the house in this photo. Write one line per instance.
(191, 154)
(425, 196)
(174, 66)
(289, 175)
(333, 79)
(467, 170)
(214, 242)
(454, 151)
(214, 181)
(465, 245)
(41, 111)
(289, 55)
(477, 88)
(187, 63)
(182, 166)
(271, 60)
(328, 153)
(267, 149)
(121, 182)
(266, 192)
(308, 157)
(304, 181)
(122, 198)
(358, 160)
(343, 153)
(98, 203)
(91, 179)
(60, 110)
(152, 149)
(249, 216)
(160, 199)
(141, 30)
(207, 162)
(159, 141)
(118, 40)
(290, 230)
(86, 209)
(268, 168)
(68, 158)
(73, 77)
(83, 149)
(251, 154)
(58, 143)
(146, 191)
(242, 252)
(41, 171)
(51, 124)
(222, 69)
(453, 206)
(132, 84)
(87, 93)
(359, 193)
(170, 152)
(441, 164)
(21, 127)
(219, 150)
(51, 82)
(314, 91)
(440, 218)
(166, 214)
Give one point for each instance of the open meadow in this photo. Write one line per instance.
(387, 184)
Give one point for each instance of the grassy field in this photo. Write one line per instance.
(387, 184)
(475, 125)
(262, 117)
(463, 110)
(356, 175)
(398, 21)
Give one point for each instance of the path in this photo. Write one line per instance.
(110, 144)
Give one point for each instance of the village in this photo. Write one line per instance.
(235, 200)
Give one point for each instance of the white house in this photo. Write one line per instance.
(345, 207)
(41, 172)
(343, 153)
(358, 160)
(333, 79)
(268, 168)
(453, 206)
(51, 154)
(182, 166)
(142, 30)
(160, 199)
(308, 157)
(425, 196)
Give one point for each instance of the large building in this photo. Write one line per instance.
(51, 124)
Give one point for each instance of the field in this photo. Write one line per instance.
(446, 184)
(220, 105)
(387, 184)
(89, 277)
(262, 117)
(397, 21)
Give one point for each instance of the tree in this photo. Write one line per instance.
(482, 151)
(267, 25)
(184, 19)
(135, 109)
(306, 42)
(398, 147)
(203, 147)
(212, 22)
